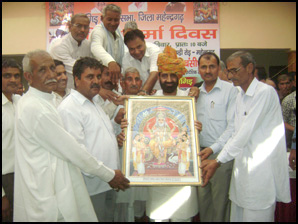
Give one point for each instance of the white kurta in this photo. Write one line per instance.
(67, 50)
(172, 202)
(47, 165)
(99, 45)
(90, 126)
(260, 174)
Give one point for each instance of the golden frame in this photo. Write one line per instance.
(162, 145)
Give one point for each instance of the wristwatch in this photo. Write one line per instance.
(219, 163)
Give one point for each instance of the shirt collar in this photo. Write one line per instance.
(80, 97)
(74, 42)
(44, 95)
(4, 99)
(252, 87)
(146, 52)
(117, 35)
(218, 85)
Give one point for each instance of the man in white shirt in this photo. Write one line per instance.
(109, 104)
(49, 186)
(260, 174)
(142, 55)
(107, 43)
(11, 78)
(87, 122)
(216, 111)
(72, 46)
(61, 92)
(131, 203)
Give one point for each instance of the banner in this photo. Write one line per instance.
(191, 28)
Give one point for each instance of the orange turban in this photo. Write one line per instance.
(168, 62)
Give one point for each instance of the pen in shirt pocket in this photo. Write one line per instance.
(212, 104)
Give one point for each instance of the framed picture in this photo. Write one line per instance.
(161, 146)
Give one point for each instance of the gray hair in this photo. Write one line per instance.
(27, 67)
(222, 65)
(131, 25)
(111, 7)
(132, 70)
(73, 18)
(246, 58)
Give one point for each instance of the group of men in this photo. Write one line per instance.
(66, 140)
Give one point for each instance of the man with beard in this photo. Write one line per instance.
(61, 92)
(184, 204)
(161, 139)
(87, 122)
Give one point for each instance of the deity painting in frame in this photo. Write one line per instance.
(162, 145)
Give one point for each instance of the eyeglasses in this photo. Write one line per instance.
(80, 26)
(234, 70)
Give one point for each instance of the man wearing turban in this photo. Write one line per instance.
(170, 70)
(176, 204)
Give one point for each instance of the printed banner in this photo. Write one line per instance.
(191, 28)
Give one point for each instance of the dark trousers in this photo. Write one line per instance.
(7, 184)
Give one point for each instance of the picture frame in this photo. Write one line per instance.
(162, 144)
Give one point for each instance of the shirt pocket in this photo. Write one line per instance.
(217, 111)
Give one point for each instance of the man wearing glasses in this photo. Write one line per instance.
(260, 174)
(72, 46)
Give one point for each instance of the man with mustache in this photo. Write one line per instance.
(107, 43)
(72, 46)
(216, 110)
(284, 86)
(184, 199)
(109, 104)
(87, 122)
(260, 175)
(49, 186)
(131, 203)
(61, 92)
(11, 78)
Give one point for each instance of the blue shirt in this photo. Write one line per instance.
(216, 111)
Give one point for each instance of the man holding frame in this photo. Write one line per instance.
(216, 111)
(184, 203)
